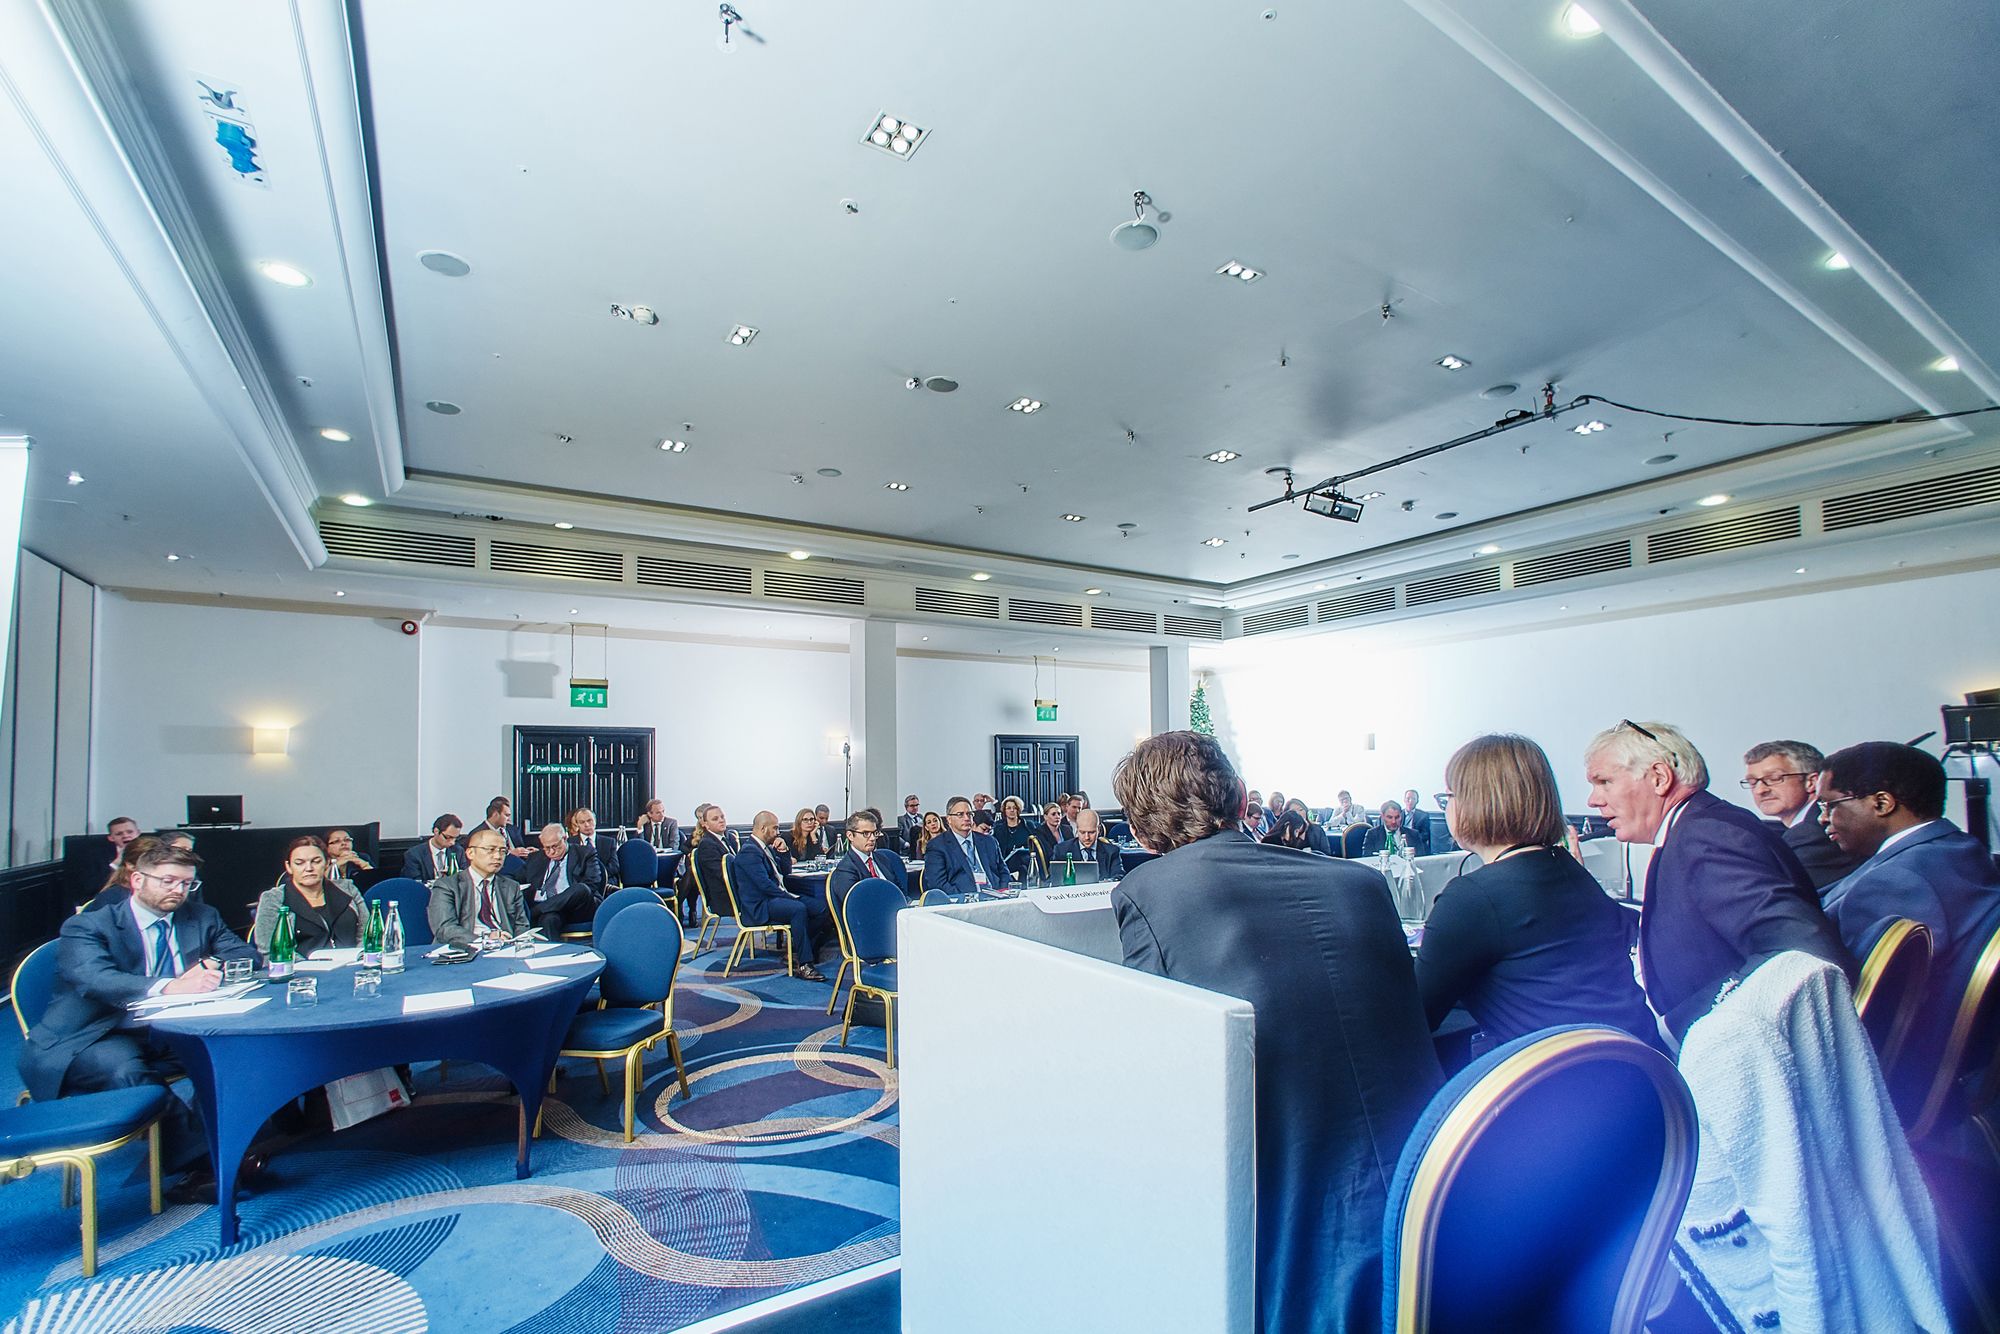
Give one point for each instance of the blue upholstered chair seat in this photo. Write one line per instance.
(879, 975)
(87, 1118)
(610, 1030)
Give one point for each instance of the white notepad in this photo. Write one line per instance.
(520, 982)
(318, 965)
(334, 956)
(437, 1000)
(562, 961)
(183, 999)
(206, 1009)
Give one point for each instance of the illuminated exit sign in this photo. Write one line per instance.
(589, 694)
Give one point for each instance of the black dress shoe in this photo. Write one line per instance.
(810, 974)
(255, 1171)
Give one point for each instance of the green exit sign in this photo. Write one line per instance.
(1045, 713)
(552, 768)
(589, 694)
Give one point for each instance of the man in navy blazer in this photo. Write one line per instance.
(864, 861)
(1885, 803)
(562, 883)
(1783, 781)
(156, 941)
(758, 877)
(962, 861)
(437, 855)
(1723, 893)
(1088, 846)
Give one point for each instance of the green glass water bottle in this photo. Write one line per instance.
(371, 939)
(283, 947)
(1069, 870)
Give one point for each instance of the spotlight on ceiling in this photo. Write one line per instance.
(283, 274)
(674, 446)
(1373, 495)
(1577, 22)
(1591, 427)
(1333, 505)
(980, 577)
(564, 524)
(1138, 234)
(1025, 405)
(1092, 592)
(1945, 364)
(1710, 502)
(1240, 271)
(1223, 456)
(636, 314)
(1213, 541)
(75, 478)
(356, 499)
(741, 334)
(1836, 262)
(335, 434)
(896, 486)
(1451, 363)
(799, 555)
(1072, 518)
(894, 136)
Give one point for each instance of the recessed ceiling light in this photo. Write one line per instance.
(443, 263)
(1025, 405)
(172, 556)
(829, 472)
(981, 577)
(896, 486)
(76, 479)
(1092, 592)
(1372, 495)
(1945, 364)
(1577, 22)
(1072, 518)
(285, 275)
(340, 592)
(442, 408)
(1836, 262)
(1488, 550)
(1591, 427)
(1710, 502)
(1445, 514)
(799, 555)
(1223, 456)
(893, 135)
(926, 638)
(636, 314)
(335, 434)
(1240, 271)
(1452, 363)
(1659, 459)
(1213, 541)
(572, 611)
(741, 334)
(356, 499)
(564, 526)
(674, 446)
(1290, 555)
(1800, 570)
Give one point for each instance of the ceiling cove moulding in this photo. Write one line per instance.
(120, 180)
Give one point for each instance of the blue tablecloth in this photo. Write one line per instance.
(246, 1066)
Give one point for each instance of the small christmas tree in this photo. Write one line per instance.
(1198, 719)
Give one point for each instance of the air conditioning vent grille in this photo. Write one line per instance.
(1044, 613)
(410, 548)
(1702, 539)
(1451, 587)
(1122, 618)
(1278, 618)
(664, 572)
(555, 562)
(952, 602)
(796, 587)
(1573, 564)
(1366, 602)
(1193, 627)
(1929, 496)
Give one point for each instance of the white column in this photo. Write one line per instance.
(871, 713)
(1171, 686)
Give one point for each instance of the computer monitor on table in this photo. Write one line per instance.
(212, 811)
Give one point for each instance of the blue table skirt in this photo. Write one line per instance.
(245, 1067)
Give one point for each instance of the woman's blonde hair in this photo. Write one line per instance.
(1503, 793)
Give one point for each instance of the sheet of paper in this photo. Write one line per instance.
(527, 951)
(206, 1008)
(1078, 899)
(335, 956)
(185, 998)
(437, 1000)
(562, 960)
(317, 965)
(520, 982)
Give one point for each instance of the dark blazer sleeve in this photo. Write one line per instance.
(1822, 858)
(1461, 945)
(841, 879)
(88, 960)
(755, 886)
(1884, 892)
(1135, 935)
(891, 865)
(941, 872)
(586, 868)
(1733, 871)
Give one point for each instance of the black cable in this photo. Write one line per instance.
(1730, 421)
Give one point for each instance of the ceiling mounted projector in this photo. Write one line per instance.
(1333, 505)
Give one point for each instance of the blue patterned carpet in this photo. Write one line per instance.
(779, 1172)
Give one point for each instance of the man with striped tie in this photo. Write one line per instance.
(478, 901)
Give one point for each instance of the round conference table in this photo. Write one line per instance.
(246, 1066)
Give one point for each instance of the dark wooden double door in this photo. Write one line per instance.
(1034, 768)
(557, 769)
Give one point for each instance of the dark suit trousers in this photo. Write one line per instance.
(124, 1060)
(569, 911)
(811, 924)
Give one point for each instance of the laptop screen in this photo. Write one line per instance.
(213, 810)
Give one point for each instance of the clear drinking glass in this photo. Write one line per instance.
(367, 983)
(302, 991)
(236, 971)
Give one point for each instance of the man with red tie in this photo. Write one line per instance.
(864, 861)
(478, 900)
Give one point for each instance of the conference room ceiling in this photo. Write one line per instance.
(1544, 207)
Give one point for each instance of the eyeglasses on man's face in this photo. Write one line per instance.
(1826, 806)
(170, 883)
(1772, 780)
(853, 834)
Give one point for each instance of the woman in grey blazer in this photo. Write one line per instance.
(327, 912)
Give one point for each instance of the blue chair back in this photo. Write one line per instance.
(638, 864)
(931, 898)
(1352, 839)
(1540, 1189)
(413, 904)
(34, 984)
(642, 952)
(871, 910)
(614, 903)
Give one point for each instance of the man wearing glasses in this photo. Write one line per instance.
(1782, 778)
(158, 941)
(864, 861)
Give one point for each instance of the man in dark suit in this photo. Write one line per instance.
(910, 823)
(1885, 803)
(1723, 893)
(1344, 1062)
(562, 884)
(1089, 846)
(757, 874)
(864, 861)
(1783, 780)
(1418, 822)
(1392, 835)
(437, 855)
(500, 817)
(478, 900)
(154, 942)
(962, 861)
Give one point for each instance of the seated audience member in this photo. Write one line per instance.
(962, 861)
(342, 861)
(982, 802)
(582, 826)
(436, 856)
(327, 912)
(1346, 815)
(927, 832)
(117, 886)
(864, 861)
(562, 884)
(1529, 940)
(1089, 845)
(826, 825)
(177, 838)
(1783, 781)
(1418, 823)
(1011, 833)
(1301, 939)
(808, 840)
(1072, 802)
(119, 833)
(1884, 803)
(500, 818)
(699, 888)
(1390, 836)
(657, 827)
(477, 901)
(910, 823)
(758, 877)
(156, 941)
(1045, 838)
(1254, 823)
(1274, 810)
(1794, 1123)
(1296, 830)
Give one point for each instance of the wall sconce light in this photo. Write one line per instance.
(270, 740)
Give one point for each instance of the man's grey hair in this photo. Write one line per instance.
(1801, 757)
(1636, 745)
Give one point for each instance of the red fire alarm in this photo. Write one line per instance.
(409, 627)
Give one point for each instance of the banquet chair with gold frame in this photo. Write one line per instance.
(744, 931)
(1968, 1073)
(1891, 986)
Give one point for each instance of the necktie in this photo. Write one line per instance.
(874, 872)
(163, 959)
(555, 869)
(487, 917)
(972, 855)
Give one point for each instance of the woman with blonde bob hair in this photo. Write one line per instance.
(1528, 940)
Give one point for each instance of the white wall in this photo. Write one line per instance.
(1831, 668)
(949, 709)
(45, 712)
